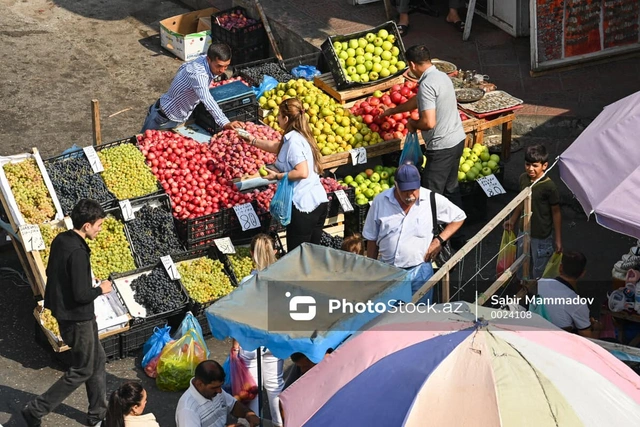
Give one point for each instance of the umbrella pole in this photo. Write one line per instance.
(260, 384)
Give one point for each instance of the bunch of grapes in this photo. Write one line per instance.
(241, 262)
(204, 279)
(126, 172)
(73, 179)
(49, 232)
(153, 234)
(330, 241)
(50, 322)
(110, 251)
(29, 190)
(157, 292)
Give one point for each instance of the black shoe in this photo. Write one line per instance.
(29, 418)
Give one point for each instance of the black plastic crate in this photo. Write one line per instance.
(248, 113)
(234, 228)
(251, 53)
(354, 221)
(112, 348)
(201, 231)
(334, 65)
(133, 340)
(237, 37)
(334, 204)
(204, 324)
(315, 59)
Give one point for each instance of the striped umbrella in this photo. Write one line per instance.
(468, 368)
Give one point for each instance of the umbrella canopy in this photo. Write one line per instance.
(449, 369)
(602, 167)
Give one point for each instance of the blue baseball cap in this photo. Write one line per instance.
(407, 178)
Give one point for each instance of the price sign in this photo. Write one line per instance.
(247, 216)
(225, 246)
(31, 237)
(358, 156)
(491, 185)
(68, 222)
(93, 158)
(127, 210)
(172, 271)
(344, 200)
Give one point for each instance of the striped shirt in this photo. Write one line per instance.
(194, 410)
(190, 87)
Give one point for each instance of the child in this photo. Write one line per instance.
(354, 244)
(546, 218)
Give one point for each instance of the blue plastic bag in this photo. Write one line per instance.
(268, 83)
(190, 322)
(226, 367)
(154, 345)
(307, 72)
(282, 201)
(411, 152)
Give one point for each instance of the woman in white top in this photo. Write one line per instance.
(126, 406)
(299, 157)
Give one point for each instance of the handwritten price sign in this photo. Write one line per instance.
(172, 271)
(127, 210)
(344, 200)
(94, 160)
(358, 156)
(247, 216)
(491, 185)
(31, 237)
(225, 245)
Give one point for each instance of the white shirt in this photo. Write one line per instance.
(403, 240)
(563, 315)
(194, 410)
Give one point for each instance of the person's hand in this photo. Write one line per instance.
(410, 126)
(433, 251)
(253, 419)
(558, 246)
(106, 287)
(384, 110)
(508, 225)
(233, 125)
(596, 325)
(271, 175)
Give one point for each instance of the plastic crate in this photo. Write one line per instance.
(202, 230)
(237, 37)
(234, 228)
(334, 65)
(248, 113)
(112, 348)
(335, 207)
(250, 53)
(204, 324)
(316, 59)
(133, 340)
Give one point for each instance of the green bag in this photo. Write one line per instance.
(552, 270)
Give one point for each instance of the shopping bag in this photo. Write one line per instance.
(507, 254)
(552, 270)
(190, 322)
(153, 347)
(282, 201)
(411, 152)
(226, 367)
(307, 72)
(267, 83)
(537, 306)
(243, 386)
(178, 361)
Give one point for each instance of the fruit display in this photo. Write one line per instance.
(49, 232)
(50, 322)
(369, 58)
(235, 20)
(153, 235)
(336, 130)
(125, 172)
(330, 241)
(110, 250)
(263, 198)
(258, 72)
(229, 80)
(156, 292)
(204, 279)
(476, 162)
(371, 182)
(30, 192)
(330, 185)
(73, 179)
(241, 262)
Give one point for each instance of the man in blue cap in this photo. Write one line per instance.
(399, 227)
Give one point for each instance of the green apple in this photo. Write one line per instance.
(350, 61)
(392, 69)
(392, 180)
(495, 158)
(370, 37)
(343, 64)
(474, 157)
(360, 59)
(383, 34)
(368, 65)
(485, 156)
(377, 93)
(359, 179)
(343, 55)
(462, 176)
(391, 38)
(465, 168)
(348, 179)
(375, 177)
(369, 193)
(387, 45)
(362, 42)
(353, 43)
(486, 171)
(351, 69)
(471, 175)
(360, 69)
(384, 175)
(377, 67)
(384, 73)
(378, 168)
(368, 56)
(351, 52)
(401, 65)
(462, 160)
(385, 63)
(394, 50)
(386, 54)
(378, 50)
(355, 78)
(364, 77)
(374, 76)
(393, 60)
(369, 48)
(359, 51)
(378, 42)
(337, 46)
(345, 45)
(492, 165)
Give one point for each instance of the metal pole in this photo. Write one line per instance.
(260, 384)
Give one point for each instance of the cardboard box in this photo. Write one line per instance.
(204, 24)
(180, 34)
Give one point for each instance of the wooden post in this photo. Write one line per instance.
(446, 291)
(526, 242)
(468, 20)
(387, 8)
(500, 282)
(95, 121)
(506, 139)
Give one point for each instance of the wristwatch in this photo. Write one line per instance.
(441, 240)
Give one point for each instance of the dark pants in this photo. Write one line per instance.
(306, 227)
(87, 367)
(441, 172)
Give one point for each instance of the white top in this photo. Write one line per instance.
(196, 411)
(146, 420)
(308, 193)
(563, 315)
(402, 239)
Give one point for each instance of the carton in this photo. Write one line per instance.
(181, 36)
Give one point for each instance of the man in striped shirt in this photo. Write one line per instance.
(189, 88)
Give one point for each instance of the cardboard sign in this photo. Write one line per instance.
(358, 156)
(491, 185)
(172, 271)
(31, 237)
(94, 160)
(247, 216)
(225, 245)
(127, 210)
(344, 200)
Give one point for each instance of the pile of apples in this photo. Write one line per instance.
(224, 82)
(233, 21)
(370, 183)
(476, 162)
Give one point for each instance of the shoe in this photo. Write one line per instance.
(403, 30)
(29, 418)
(459, 25)
(618, 272)
(635, 251)
(90, 424)
(630, 261)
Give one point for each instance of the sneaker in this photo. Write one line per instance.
(635, 251)
(630, 261)
(29, 418)
(618, 272)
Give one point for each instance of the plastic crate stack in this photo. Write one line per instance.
(246, 36)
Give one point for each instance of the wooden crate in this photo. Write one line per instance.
(327, 84)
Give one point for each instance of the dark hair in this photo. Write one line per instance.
(536, 154)
(293, 110)
(354, 244)
(86, 211)
(418, 54)
(122, 402)
(219, 51)
(296, 357)
(209, 371)
(573, 264)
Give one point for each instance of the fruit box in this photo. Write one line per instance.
(179, 34)
(237, 38)
(331, 55)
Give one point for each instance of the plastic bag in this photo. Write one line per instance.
(154, 345)
(178, 361)
(507, 254)
(243, 386)
(411, 152)
(190, 322)
(282, 201)
(552, 269)
(537, 306)
(307, 72)
(267, 83)
(226, 367)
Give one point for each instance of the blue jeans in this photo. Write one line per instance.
(541, 251)
(418, 276)
(156, 121)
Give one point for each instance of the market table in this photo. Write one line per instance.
(623, 317)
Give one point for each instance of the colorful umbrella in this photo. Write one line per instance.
(459, 369)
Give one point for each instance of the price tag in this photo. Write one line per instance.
(93, 158)
(225, 246)
(68, 222)
(31, 237)
(172, 271)
(344, 200)
(491, 185)
(127, 210)
(358, 156)
(247, 216)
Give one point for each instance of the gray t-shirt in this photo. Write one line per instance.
(436, 92)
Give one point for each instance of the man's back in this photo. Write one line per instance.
(565, 314)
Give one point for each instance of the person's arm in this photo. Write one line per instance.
(583, 323)
(435, 245)
(200, 84)
(264, 144)
(80, 278)
(556, 214)
(301, 171)
(426, 121)
(511, 224)
(241, 411)
(372, 249)
(410, 105)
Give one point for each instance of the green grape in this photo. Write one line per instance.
(125, 172)
(29, 190)
(110, 251)
(241, 262)
(50, 322)
(204, 279)
(49, 233)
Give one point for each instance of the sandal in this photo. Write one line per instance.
(403, 29)
(458, 24)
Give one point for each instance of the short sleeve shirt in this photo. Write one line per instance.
(563, 315)
(194, 410)
(544, 195)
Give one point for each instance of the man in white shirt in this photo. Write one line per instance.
(399, 227)
(205, 404)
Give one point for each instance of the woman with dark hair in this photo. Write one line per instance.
(126, 406)
(298, 158)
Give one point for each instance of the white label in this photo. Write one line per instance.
(247, 216)
(344, 200)
(93, 158)
(172, 271)
(358, 156)
(225, 245)
(68, 222)
(127, 210)
(31, 237)
(491, 185)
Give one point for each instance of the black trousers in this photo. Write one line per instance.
(306, 227)
(441, 172)
(87, 367)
